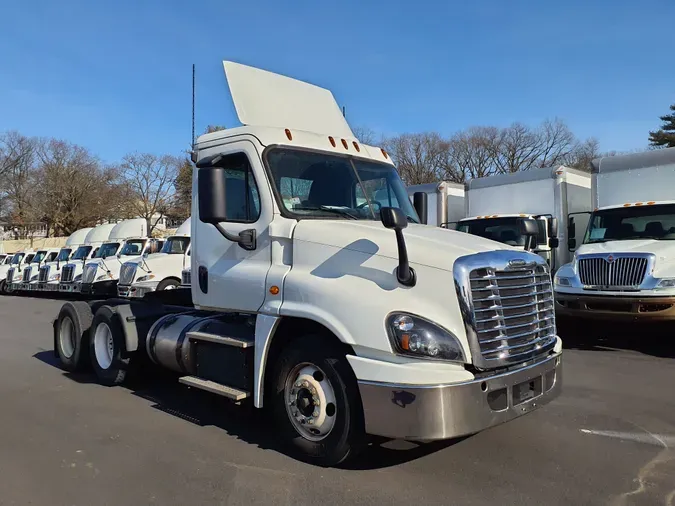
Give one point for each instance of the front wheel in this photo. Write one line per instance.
(316, 402)
(168, 284)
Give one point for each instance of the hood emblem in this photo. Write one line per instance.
(518, 262)
(610, 259)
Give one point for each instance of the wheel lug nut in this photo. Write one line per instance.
(305, 384)
(310, 421)
(316, 412)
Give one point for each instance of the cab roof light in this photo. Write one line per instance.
(357, 147)
(638, 203)
(626, 205)
(288, 134)
(332, 141)
(344, 143)
(384, 153)
(651, 203)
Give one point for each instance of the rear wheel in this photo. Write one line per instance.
(107, 347)
(71, 335)
(316, 402)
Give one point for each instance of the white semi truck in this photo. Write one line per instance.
(495, 204)
(14, 274)
(71, 273)
(343, 317)
(157, 271)
(49, 274)
(4, 268)
(128, 240)
(31, 270)
(445, 203)
(623, 268)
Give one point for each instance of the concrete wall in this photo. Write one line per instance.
(22, 244)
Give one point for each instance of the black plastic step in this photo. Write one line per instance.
(216, 388)
(237, 342)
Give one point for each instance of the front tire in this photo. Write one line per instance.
(107, 347)
(168, 284)
(316, 402)
(71, 335)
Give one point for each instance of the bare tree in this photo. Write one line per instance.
(472, 153)
(420, 158)
(150, 180)
(17, 175)
(365, 135)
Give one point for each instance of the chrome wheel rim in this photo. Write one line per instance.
(67, 337)
(104, 346)
(310, 402)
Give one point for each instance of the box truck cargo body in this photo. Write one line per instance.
(623, 267)
(445, 203)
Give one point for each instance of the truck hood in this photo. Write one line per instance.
(663, 250)
(161, 265)
(427, 245)
(112, 263)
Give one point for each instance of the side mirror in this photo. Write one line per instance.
(420, 203)
(571, 244)
(553, 227)
(212, 202)
(393, 218)
(572, 228)
(530, 229)
(553, 242)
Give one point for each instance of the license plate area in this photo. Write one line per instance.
(527, 390)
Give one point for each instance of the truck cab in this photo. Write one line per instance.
(624, 268)
(49, 273)
(30, 272)
(324, 295)
(157, 271)
(14, 274)
(127, 241)
(71, 273)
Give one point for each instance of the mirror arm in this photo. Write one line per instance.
(246, 238)
(404, 273)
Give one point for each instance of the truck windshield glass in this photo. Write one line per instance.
(16, 259)
(64, 254)
(176, 245)
(505, 230)
(81, 253)
(629, 223)
(29, 258)
(39, 256)
(321, 185)
(133, 247)
(107, 250)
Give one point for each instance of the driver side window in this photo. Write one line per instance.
(242, 197)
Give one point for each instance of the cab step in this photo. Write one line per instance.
(216, 388)
(237, 342)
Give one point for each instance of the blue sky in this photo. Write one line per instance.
(115, 76)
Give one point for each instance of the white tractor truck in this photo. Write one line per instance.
(625, 267)
(127, 241)
(49, 274)
(14, 274)
(445, 203)
(495, 204)
(157, 271)
(71, 273)
(337, 311)
(4, 267)
(30, 271)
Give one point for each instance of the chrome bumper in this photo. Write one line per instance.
(69, 287)
(433, 412)
(48, 287)
(135, 292)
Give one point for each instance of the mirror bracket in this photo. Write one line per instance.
(246, 238)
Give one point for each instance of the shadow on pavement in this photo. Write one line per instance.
(161, 388)
(655, 339)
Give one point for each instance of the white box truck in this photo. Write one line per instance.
(49, 275)
(445, 203)
(127, 241)
(623, 268)
(495, 204)
(343, 317)
(157, 271)
(71, 274)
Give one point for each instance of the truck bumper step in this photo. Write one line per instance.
(216, 388)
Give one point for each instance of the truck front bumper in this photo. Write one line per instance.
(100, 288)
(615, 307)
(433, 412)
(137, 290)
(48, 287)
(69, 287)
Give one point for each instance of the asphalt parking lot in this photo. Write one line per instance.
(64, 440)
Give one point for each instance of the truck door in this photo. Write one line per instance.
(226, 275)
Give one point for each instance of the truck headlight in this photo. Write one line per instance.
(562, 281)
(415, 336)
(666, 283)
(145, 278)
(55, 277)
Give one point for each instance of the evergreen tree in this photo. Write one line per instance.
(665, 136)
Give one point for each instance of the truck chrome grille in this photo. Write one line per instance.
(508, 306)
(26, 274)
(186, 278)
(89, 273)
(612, 271)
(127, 273)
(10, 275)
(67, 273)
(43, 275)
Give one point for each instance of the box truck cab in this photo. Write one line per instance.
(157, 271)
(625, 265)
(445, 203)
(344, 317)
(128, 240)
(71, 273)
(49, 275)
(495, 204)
(14, 274)
(31, 271)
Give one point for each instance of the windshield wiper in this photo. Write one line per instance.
(342, 212)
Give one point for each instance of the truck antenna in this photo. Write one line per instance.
(193, 106)
(343, 112)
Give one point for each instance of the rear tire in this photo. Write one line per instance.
(309, 370)
(168, 284)
(107, 347)
(71, 336)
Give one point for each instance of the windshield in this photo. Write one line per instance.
(176, 245)
(29, 258)
(81, 253)
(39, 256)
(626, 223)
(133, 247)
(64, 254)
(7, 260)
(107, 250)
(16, 259)
(321, 185)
